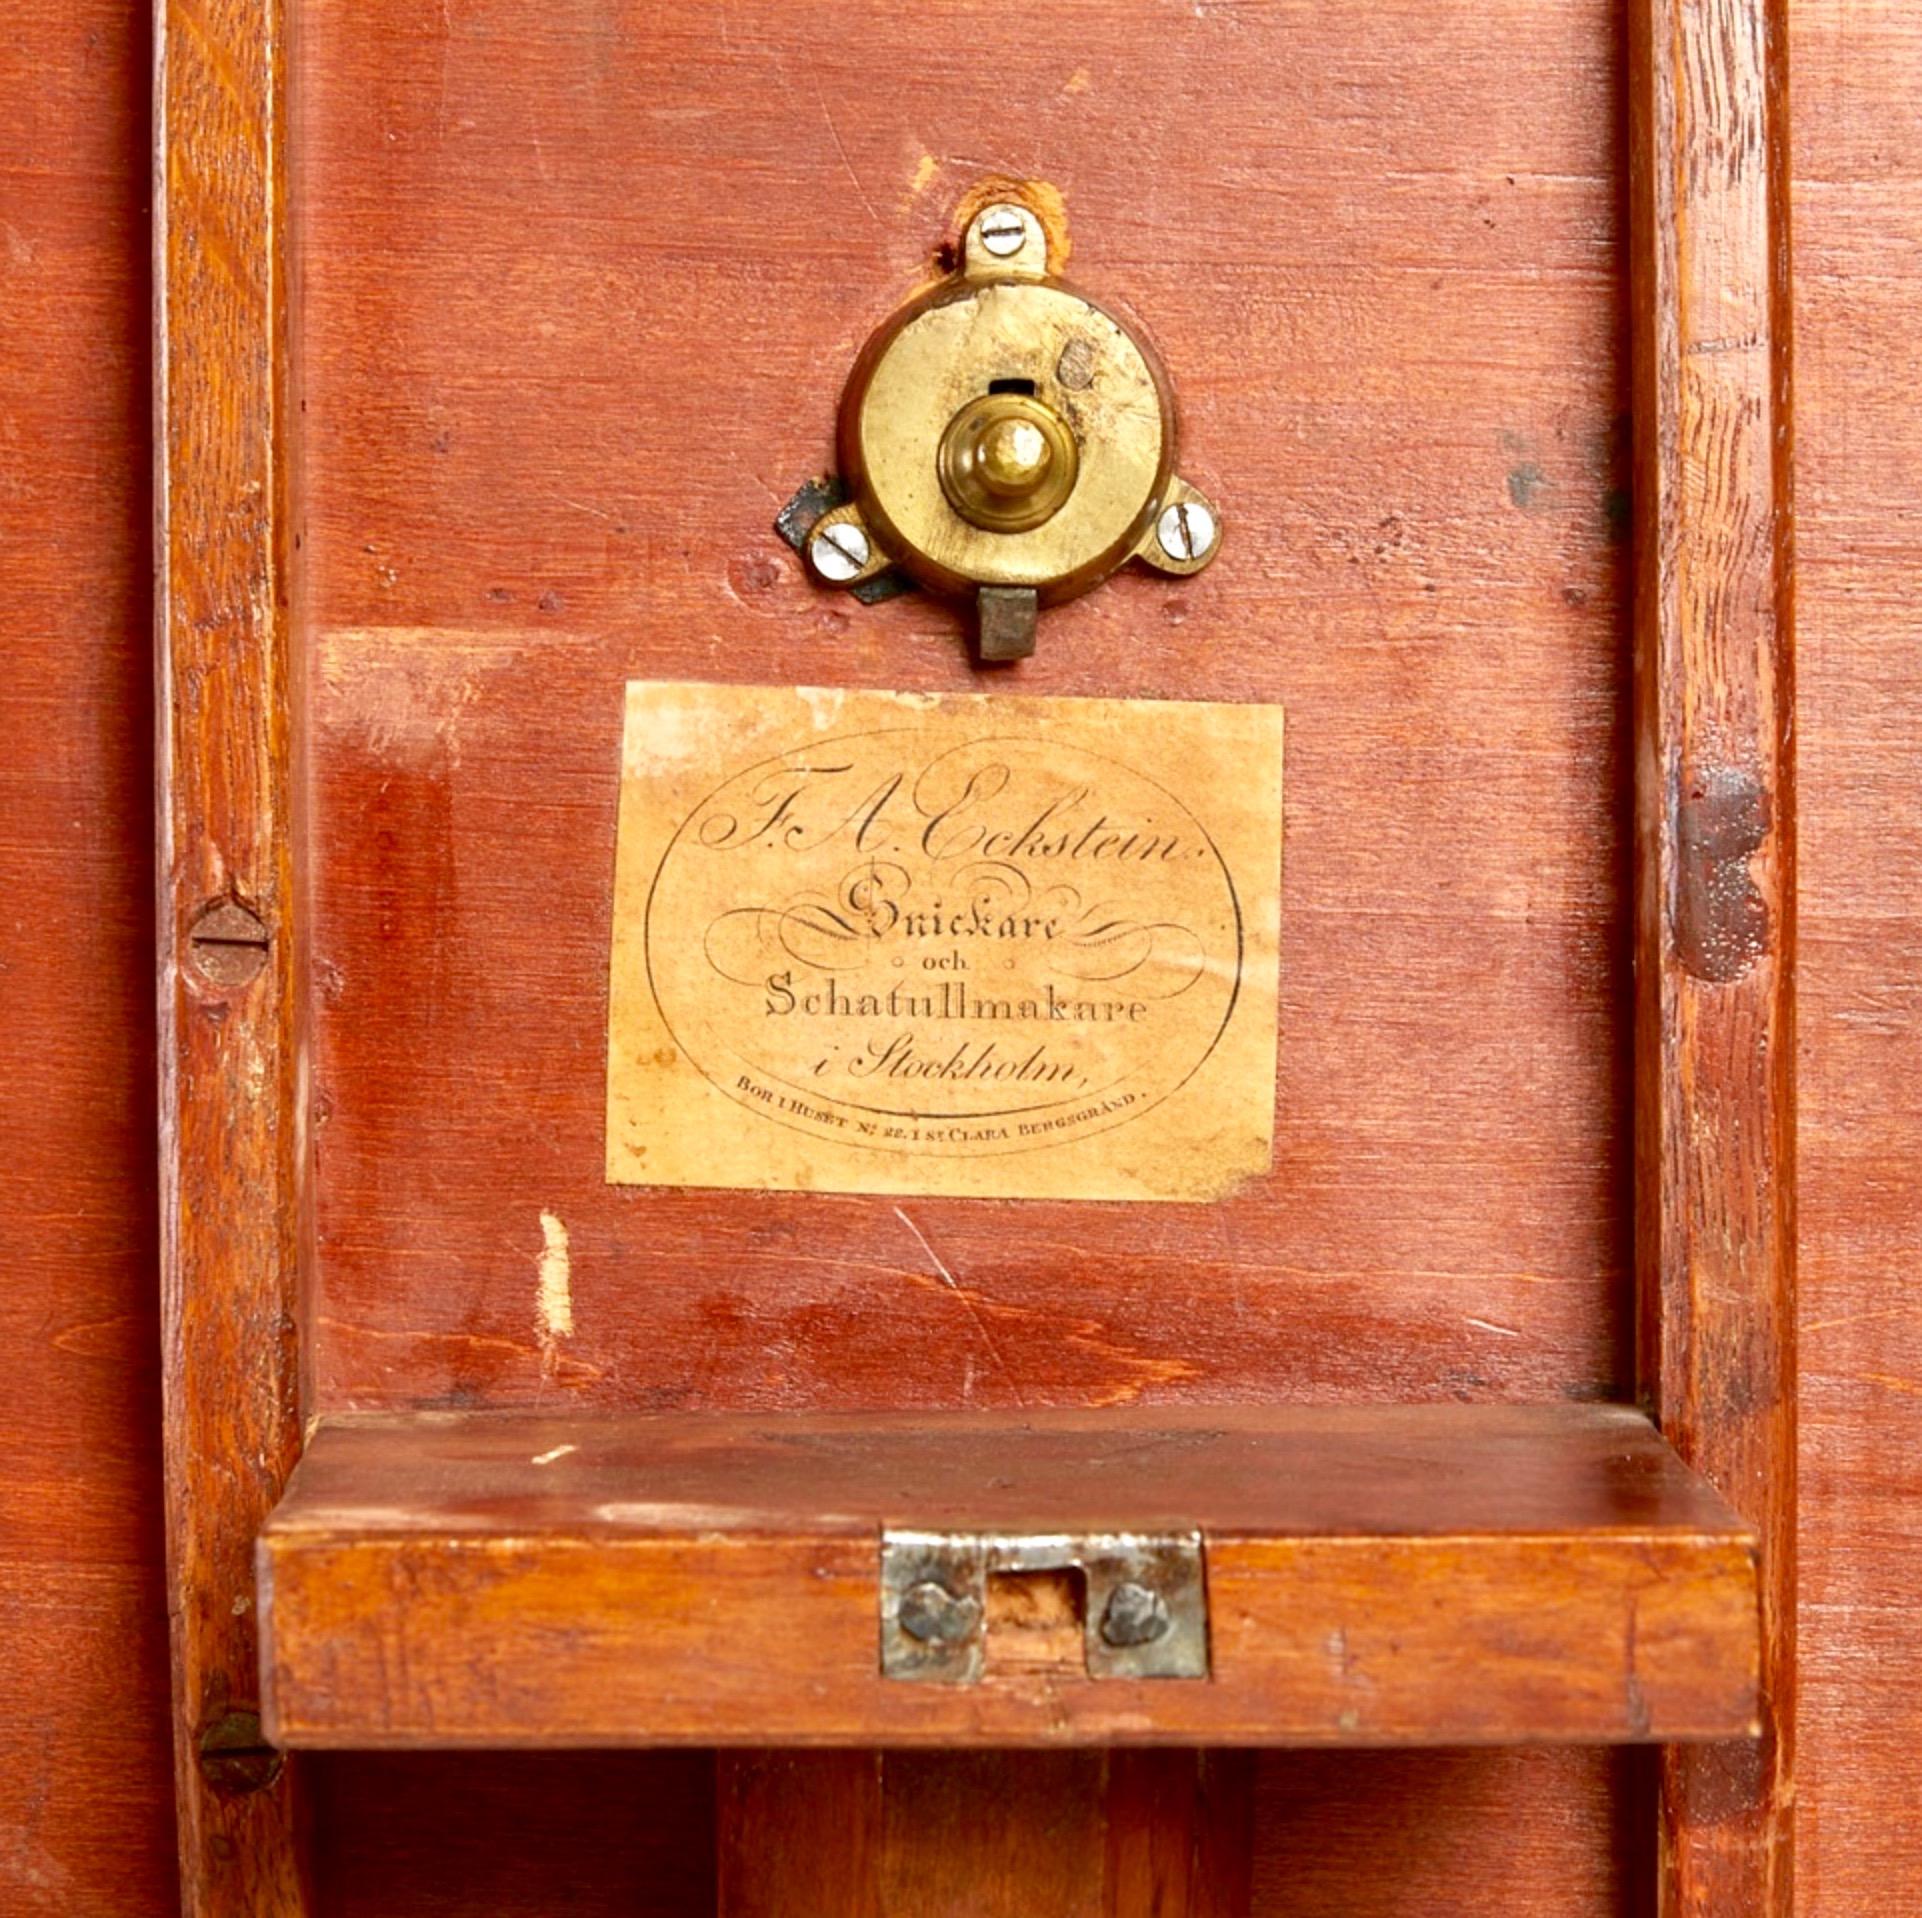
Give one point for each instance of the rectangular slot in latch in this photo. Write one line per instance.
(1143, 1598)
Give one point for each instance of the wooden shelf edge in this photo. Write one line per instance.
(1376, 1576)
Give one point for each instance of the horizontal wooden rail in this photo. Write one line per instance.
(1375, 1576)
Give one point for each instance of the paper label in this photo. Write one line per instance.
(983, 945)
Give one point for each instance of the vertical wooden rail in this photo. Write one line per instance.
(1715, 859)
(230, 1131)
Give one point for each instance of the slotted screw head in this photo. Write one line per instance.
(1003, 231)
(1186, 531)
(1135, 1615)
(235, 1757)
(839, 551)
(228, 943)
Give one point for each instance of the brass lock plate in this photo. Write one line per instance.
(1005, 436)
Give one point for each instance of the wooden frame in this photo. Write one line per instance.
(1715, 892)
(232, 1151)
(1714, 839)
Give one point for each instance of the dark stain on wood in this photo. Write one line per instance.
(1526, 485)
(1722, 820)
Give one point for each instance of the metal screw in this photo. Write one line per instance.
(1003, 231)
(1186, 531)
(234, 1757)
(839, 550)
(1135, 1616)
(228, 943)
(932, 1614)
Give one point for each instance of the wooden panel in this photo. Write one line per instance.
(579, 287)
(526, 1835)
(1856, 71)
(1116, 1367)
(1858, 276)
(799, 1834)
(992, 1834)
(1401, 1575)
(232, 1135)
(86, 1823)
(1384, 1834)
(1715, 894)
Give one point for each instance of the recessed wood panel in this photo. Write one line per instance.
(1444, 1833)
(577, 289)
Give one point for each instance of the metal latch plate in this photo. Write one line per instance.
(1145, 1600)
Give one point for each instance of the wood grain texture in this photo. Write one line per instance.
(1382, 1575)
(989, 1834)
(86, 1819)
(1714, 930)
(797, 1833)
(1858, 310)
(231, 1127)
(1383, 1834)
(1715, 857)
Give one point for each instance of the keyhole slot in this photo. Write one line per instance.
(1024, 387)
(1037, 1621)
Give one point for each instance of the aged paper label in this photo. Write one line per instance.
(881, 942)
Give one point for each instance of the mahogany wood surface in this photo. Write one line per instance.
(1353, 1833)
(1858, 1109)
(1376, 1575)
(232, 1128)
(86, 1814)
(1715, 839)
(1381, 1834)
(1858, 448)
(546, 252)
(1365, 1471)
(1121, 1834)
(578, 287)
(513, 1835)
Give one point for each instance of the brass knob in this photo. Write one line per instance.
(1007, 462)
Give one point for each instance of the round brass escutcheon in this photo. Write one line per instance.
(1006, 437)
(1008, 462)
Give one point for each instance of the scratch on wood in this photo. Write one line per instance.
(967, 1299)
(468, 1361)
(1893, 1382)
(924, 171)
(1634, 1698)
(1500, 1331)
(840, 146)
